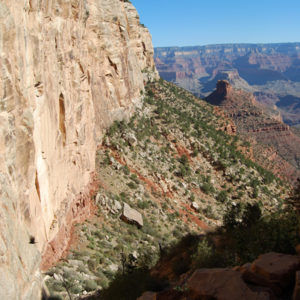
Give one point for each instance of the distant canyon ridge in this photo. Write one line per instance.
(270, 71)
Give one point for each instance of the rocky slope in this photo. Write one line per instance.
(170, 171)
(68, 70)
(261, 124)
(270, 70)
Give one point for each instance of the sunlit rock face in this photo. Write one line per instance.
(68, 70)
(263, 125)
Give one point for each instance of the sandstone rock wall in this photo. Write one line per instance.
(68, 69)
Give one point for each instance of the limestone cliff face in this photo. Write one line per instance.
(68, 69)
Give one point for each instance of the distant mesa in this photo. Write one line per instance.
(269, 69)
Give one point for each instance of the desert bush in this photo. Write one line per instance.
(143, 204)
(222, 196)
(207, 188)
(132, 185)
(126, 170)
(203, 253)
(90, 285)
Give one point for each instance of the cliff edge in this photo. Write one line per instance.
(68, 70)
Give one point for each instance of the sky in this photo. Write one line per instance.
(203, 22)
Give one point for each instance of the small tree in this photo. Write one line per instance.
(251, 214)
(232, 217)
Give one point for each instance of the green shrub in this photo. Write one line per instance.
(143, 204)
(126, 170)
(76, 289)
(208, 212)
(132, 185)
(184, 160)
(203, 253)
(90, 285)
(92, 265)
(222, 196)
(134, 178)
(123, 196)
(207, 188)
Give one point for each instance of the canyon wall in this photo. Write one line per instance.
(271, 71)
(68, 69)
(275, 145)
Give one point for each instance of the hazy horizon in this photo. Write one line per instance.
(208, 45)
(180, 23)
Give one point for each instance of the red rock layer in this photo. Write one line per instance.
(278, 144)
(81, 208)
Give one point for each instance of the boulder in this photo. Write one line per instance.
(195, 206)
(131, 139)
(114, 207)
(221, 284)
(131, 216)
(276, 268)
(257, 279)
(115, 164)
(135, 255)
(101, 199)
(117, 205)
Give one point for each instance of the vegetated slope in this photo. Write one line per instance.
(270, 70)
(173, 163)
(263, 125)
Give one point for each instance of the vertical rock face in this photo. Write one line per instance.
(68, 69)
(224, 88)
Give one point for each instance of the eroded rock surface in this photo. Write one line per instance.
(68, 69)
(264, 126)
(221, 284)
(276, 268)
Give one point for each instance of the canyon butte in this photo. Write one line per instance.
(109, 173)
(262, 125)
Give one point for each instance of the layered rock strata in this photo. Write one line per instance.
(68, 70)
(264, 126)
(271, 71)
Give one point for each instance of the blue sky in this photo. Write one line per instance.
(202, 22)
